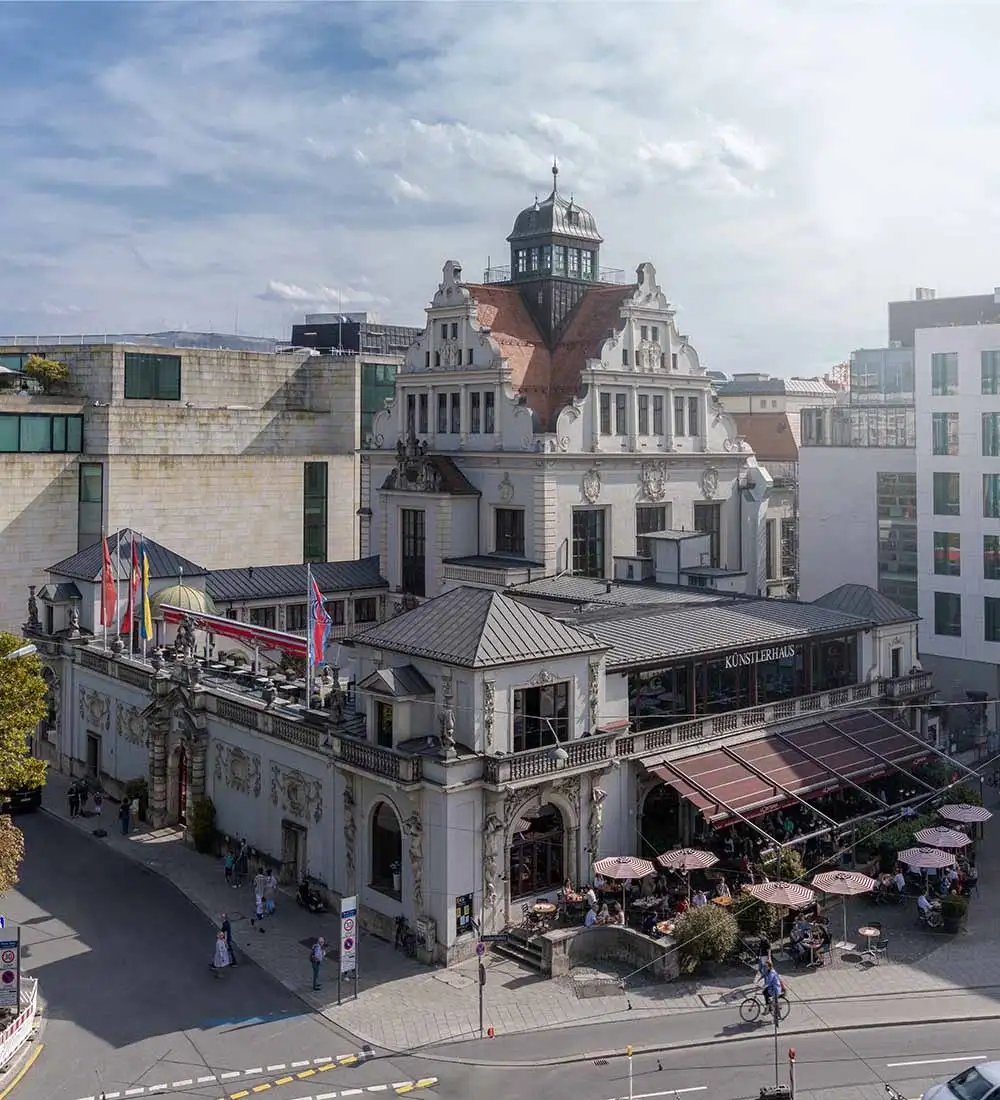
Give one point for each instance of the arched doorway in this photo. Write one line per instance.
(387, 851)
(180, 810)
(660, 825)
(537, 852)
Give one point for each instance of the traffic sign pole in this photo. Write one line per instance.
(17, 1009)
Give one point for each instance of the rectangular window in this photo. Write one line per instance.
(947, 553)
(588, 542)
(456, 414)
(648, 518)
(314, 496)
(414, 551)
(454, 330)
(643, 333)
(708, 520)
(655, 334)
(991, 618)
(693, 418)
(769, 549)
(624, 357)
(643, 414)
(378, 382)
(541, 716)
(366, 609)
(574, 261)
(422, 414)
(263, 616)
(442, 420)
(991, 435)
(789, 548)
(947, 501)
(679, 416)
(152, 377)
(38, 433)
(90, 509)
(948, 614)
(296, 616)
(605, 414)
(335, 609)
(383, 724)
(621, 420)
(991, 557)
(489, 412)
(475, 413)
(991, 496)
(444, 331)
(509, 529)
(897, 538)
(411, 413)
(990, 368)
(944, 433)
(658, 415)
(944, 374)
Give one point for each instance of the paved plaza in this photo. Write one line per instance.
(404, 1006)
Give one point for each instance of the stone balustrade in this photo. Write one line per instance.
(563, 949)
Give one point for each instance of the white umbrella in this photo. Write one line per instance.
(622, 868)
(940, 836)
(845, 883)
(788, 894)
(924, 859)
(966, 814)
(687, 860)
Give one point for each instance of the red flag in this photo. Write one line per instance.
(107, 588)
(128, 620)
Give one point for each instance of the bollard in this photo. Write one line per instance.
(490, 1033)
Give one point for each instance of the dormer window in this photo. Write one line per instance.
(572, 217)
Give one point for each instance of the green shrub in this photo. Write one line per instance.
(706, 934)
(964, 792)
(954, 907)
(753, 916)
(203, 825)
(789, 868)
(138, 788)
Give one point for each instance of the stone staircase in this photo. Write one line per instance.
(520, 947)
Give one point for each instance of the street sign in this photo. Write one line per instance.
(3, 921)
(9, 967)
(497, 937)
(348, 935)
(480, 949)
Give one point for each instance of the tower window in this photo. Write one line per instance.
(444, 332)
(644, 333)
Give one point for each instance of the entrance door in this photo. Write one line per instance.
(293, 853)
(93, 755)
(182, 786)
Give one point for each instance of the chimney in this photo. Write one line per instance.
(924, 294)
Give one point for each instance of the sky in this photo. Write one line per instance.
(789, 168)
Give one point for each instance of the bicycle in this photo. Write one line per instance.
(406, 939)
(754, 1004)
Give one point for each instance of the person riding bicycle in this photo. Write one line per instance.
(773, 986)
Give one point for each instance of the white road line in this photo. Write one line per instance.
(326, 1096)
(111, 1095)
(179, 1084)
(274, 1069)
(230, 1075)
(205, 1080)
(322, 1062)
(399, 1084)
(937, 1061)
(352, 1092)
(377, 1088)
(299, 1065)
(251, 1072)
(134, 1092)
(667, 1092)
(159, 1088)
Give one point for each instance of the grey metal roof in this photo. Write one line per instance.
(477, 628)
(396, 682)
(861, 599)
(552, 217)
(59, 593)
(163, 562)
(495, 561)
(275, 582)
(674, 536)
(587, 590)
(774, 386)
(644, 638)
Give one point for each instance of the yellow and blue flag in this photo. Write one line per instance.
(145, 617)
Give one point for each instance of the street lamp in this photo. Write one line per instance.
(557, 753)
(25, 651)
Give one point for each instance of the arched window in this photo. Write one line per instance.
(536, 853)
(387, 850)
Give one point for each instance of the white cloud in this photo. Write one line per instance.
(788, 168)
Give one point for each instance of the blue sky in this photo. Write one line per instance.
(787, 167)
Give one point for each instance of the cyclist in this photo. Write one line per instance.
(773, 986)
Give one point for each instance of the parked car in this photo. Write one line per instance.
(980, 1082)
(23, 800)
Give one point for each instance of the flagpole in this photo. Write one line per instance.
(104, 596)
(131, 593)
(145, 594)
(309, 636)
(118, 590)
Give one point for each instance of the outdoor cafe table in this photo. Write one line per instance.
(870, 934)
(665, 927)
(724, 902)
(544, 908)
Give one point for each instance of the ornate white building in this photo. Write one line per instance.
(547, 420)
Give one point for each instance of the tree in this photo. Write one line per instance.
(22, 706)
(707, 933)
(48, 372)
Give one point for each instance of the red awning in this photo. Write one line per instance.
(812, 761)
(256, 637)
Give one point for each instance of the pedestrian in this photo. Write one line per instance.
(74, 800)
(227, 930)
(123, 816)
(228, 865)
(98, 803)
(270, 893)
(221, 960)
(240, 868)
(259, 885)
(316, 956)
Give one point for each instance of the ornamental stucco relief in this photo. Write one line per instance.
(129, 723)
(95, 709)
(296, 793)
(239, 770)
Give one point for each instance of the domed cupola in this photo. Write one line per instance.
(555, 238)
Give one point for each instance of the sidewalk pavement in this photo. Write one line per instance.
(403, 1006)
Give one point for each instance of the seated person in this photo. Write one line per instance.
(603, 916)
(600, 882)
(722, 889)
(617, 914)
(591, 918)
(900, 881)
(590, 897)
(924, 905)
(648, 886)
(682, 905)
(649, 922)
(797, 947)
(567, 890)
(699, 899)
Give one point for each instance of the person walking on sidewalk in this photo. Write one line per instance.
(259, 884)
(316, 957)
(221, 959)
(227, 930)
(124, 816)
(73, 795)
(270, 893)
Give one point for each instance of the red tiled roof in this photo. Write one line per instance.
(770, 435)
(548, 379)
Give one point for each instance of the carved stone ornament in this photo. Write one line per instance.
(33, 621)
(489, 710)
(653, 478)
(591, 486)
(95, 709)
(239, 770)
(350, 823)
(413, 827)
(542, 677)
(506, 489)
(710, 482)
(414, 471)
(596, 825)
(569, 789)
(492, 830)
(647, 356)
(594, 693)
(449, 354)
(128, 722)
(298, 795)
(447, 717)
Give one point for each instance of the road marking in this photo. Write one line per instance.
(280, 1065)
(352, 1092)
(230, 1075)
(177, 1084)
(134, 1092)
(938, 1061)
(240, 1095)
(326, 1096)
(298, 1065)
(321, 1061)
(205, 1080)
(285, 1080)
(347, 1059)
(650, 1095)
(377, 1088)
(261, 1088)
(111, 1095)
(23, 1070)
(425, 1082)
(325, 1066)
(253, 1072)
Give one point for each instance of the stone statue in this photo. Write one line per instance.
(597, 797)
(33, 620)
(350, 827)
(74, 618)
(492, 828)
(185, 643)
(448, 718)
(414, 829)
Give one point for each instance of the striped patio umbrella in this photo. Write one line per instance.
(924, 859)
(964, 813)
(940, 836)
(622, 868)
(791, 895)
(845, 883)
(687, 860)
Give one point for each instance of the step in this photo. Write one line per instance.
(521, 952)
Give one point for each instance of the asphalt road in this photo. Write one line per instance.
(123, 960)
(850, 1065)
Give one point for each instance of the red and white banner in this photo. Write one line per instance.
(253, 636)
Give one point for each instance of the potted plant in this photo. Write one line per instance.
(953, 910)
(396, 870)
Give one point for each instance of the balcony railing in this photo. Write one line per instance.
(498, 770)
(613, 275)
(917, 683)
(380, 761)
(493, 578)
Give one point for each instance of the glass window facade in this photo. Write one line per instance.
(991, 435)
(708, 520)
(509, 531)
(948, 614)
(944, 433)
(679, 692)
(314, 518)
(413, 551)
(588, 542)
(944, 374)
(40, 433)
(648, 517)
(947, 553)
(990, 370)
(378, 381)
(991, 618)
(991, 557)
(991, 496)
(539, 714)
(90, 509)
(897, 538)
(152, 377)
(947, 495)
